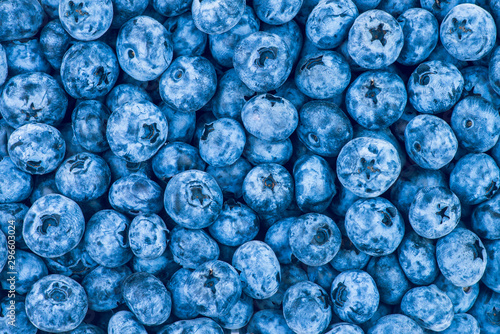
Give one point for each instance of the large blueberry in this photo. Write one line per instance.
(181, 124)
(485, 310)
(171, 8)
(88, 121)
(217, 16)
(198, 325)
(54, 41)
(477, 83)
(88, 20)
(463, 323)
(396, 323)
(125, 322)
(192, 248)
(258, 151)
(123, 10)
(417, 259)
(20, 19)
(462, 298)
(136, 194)
(239, 315)
(27, 267)
(277, 239)
(181, 306)
(147, 236)
(348, 256)
(187, 40)
(15, 184)
(222, 142)
(276, 12)
(26, 56)
(175, 158)
(291, 34)
(484, 219)
(120, 167)
(268, 321)
(230, 178)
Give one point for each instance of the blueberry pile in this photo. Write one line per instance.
(249, 166)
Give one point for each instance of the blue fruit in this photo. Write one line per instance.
(348, 256)
(230, 178)
(15, 184)
(345, 328)
(276, 12)
(477, 83)
(125, 93)
(171, 7)
(125, 322)
(187, 40)
(175, 158)
(192, 248)
(26, 56)
(162, 267)
(75, 264)
(28, 267)
(484, 221)
(258, 151)
(239, 315)
(86, 21)
(20, 19)
(485, 310)
(3, 66)
(277, 239)
(54, 41)
(266, 321)
(135, 194)
(201, 325)
(123, 10)
(417, 259)
(395, 323)
(232, 94)
(463, 323)
(181, 306)
(222, 142)
(147, 236)
(291, 34)
(217, 16)
(120, 167)
(462, 298)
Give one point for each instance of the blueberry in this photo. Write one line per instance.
(188, 84)
(193, 199)
(106, 239)
(135, 194)
(239, 315)
(290, 92)
(125, 93)
(181, 124)
(341, 203)
(442, 8)
(222, 142)
(258, 151)
(15, 184)
(86, 21)
(463, 323)
(89, 70)
(123, 10)
(429, 307)
(376, 99)
(329, 22)
(348, 256)
(217, 16)
(191, 248)
(103, 287)
(323, 128)
(291, 34)
(417, 259)
(181, 306)
(171, 7)
(22, 323)
(198, 325)
(262, 61)
(175, 158)
(20, 19)
(441, 54)
(26, 56)
(435, 86)
(268, 188)
(315, 70)
(306, 308)
(136, 131)
(477, 83)
(277, 238)
(28, 267)
(396, 323)
(187, 40)
(230, 178)
(491, 274)
(15, 213)
(276, 12)
(120, 167)
(462, 298)
(162, 267)
(125, 322)
(87, 329)
(89, 120)
(268, 321)
(345, 328)
(76, 264)
(484, 219)
(494, 70)
(147, 236)
(3, 66)
(56, 303)
(485, 310)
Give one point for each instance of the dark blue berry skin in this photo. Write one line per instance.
(217, 16)
(420, 30)
(72, 145)
(262, 61)
(269, 117)
(430, 142)
(374, 226)
(322, 275)
(235, 225)
(441, 9)
(53, 226)
(213, 288)
(147, 236)
(106, 239)
(384, 134)
(144, 48)
(290, 92)
(89, 70)
(276, 12)
(341, 203)
(15, 184)
(193, 199)
(222, 46)
(181, 306)
(136, 131)
(462, 298)
(314, 239)
(375, 40)
(484, 219)
(441, 54)
(354, 296)
(323, 128)
(191, 248)
(4, 69)
(348, 256)
(181, 124)
(162, 267)
(434, 87)
(36, 148)
(56, 303)
(463, 323)
(198, 325)
(477, 84)
(395, 323)
(315, 70)
(86, 21)
(306, 308)
(364, 5)
(13, 212)
(123, 10)
(33, 97)
(125, 93)
(187, 40)
(125, 322)
(391, 281)
(232, 94)
(429, 307)
(329, 22)
(171, 8)
(268, 188)
(291, 34)
(258, 151)
(375, 163)
(120, 167)
(20, 19)
(314, 183)
(485, 310)
(476, 124)
(376, 99)
(147, 297)
(103, 287)
(175, 158)
(468, 32)
(475, 178)
(75, 264)
(22, 323)
(230, 178)
(88, 121)
(417, 259)
(83, 177)
(188, 83)
(25, 56)
(136, 194)
(461, 257)
(277, 239)
(222, 142)
(268, 321)
(239, 315)
(51, 7)
(28, 267)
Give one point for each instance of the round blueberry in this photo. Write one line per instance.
(181, 306)
(89, 120)
(258, 151)
(125, 322)
(171, 8)
(191, 248)
(462, 298)
(396, 323)
(198, 325)
(239, 315)
(266, 321)
(417, 259)
(135, 194)
(54, 42)
(15, 184)
(276, 12)
(222, 142)
(86, 21)
(123, 10)
(217, 16)
(230, 178)
(147, 236)
(20, 19)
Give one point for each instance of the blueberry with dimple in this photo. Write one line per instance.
(33, 97)
(232, 94)
(368, 166)
(477, 83)
(376, 99)
(106, 238)
(269, 117)
(188, 83)
(476, 124)
(171, 8)
(125, 322)
(222, 142)
(20, 19)
(315, 70)
(323, 128)
(125, 93)
(89, 70)
(230, 178)
(147, 297)
(213, 288)
(429, 307)
(15, 184)
(198, 325)
(375, 39)
(123, 10)
(181, 306)
(258, 151)
(88, 121)
(462, 298)
(175, 158)
(434, 87)
(277, 12)
(136, 194)
(268, 188)
(56, 303)
(396, 323)
(144, 48)
(291, 34)
(104, 287)
(468, 32)
(191, 248)
(239, 315)
(355, 296)
(329, 22)
(306, 308)
(187, 40)
(266, 321)
(26, 56)
(417, 259)
(461, 257)
(384, 134)
(120, 167)
(475, 178)
(147, 236)
(136, 131)
(262, 61)
(86, 21)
